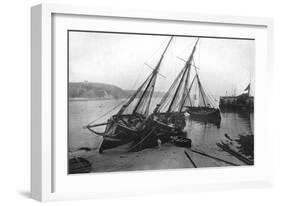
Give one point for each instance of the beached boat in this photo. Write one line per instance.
(170, 108)
(133, 122)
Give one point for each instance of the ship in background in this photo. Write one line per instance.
(243, 102)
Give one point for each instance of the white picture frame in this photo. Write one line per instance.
(49, 179)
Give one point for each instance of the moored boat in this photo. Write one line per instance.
(201, 106)
(132, 123)
(204, 112)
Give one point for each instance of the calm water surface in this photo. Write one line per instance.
(203, 134)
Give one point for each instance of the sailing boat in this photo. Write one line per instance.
(169, 113)
(178, 99)
(204, 108)
(167, 120)
(131, 123)
(201, 106)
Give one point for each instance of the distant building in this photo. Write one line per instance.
(243, 101)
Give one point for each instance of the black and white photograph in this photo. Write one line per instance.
(139, 101)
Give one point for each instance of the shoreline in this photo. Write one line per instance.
(166, 157)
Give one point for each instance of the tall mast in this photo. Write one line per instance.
(187, 65)
(154, 76)
(186, 92)
(165, 97)
(201, 90)
(133, 96)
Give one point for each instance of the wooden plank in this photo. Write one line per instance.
(192, 162)
(215, 158)
(235, 154)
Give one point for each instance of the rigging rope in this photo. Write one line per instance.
(156, 51)
(130, 99)
(210, 97)
(122, 102)
(141, 70)
(142, 140)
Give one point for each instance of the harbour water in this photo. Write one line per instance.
(203, 134)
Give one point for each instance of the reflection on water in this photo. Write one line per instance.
(238, 125)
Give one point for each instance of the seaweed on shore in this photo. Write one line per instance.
(246, 145)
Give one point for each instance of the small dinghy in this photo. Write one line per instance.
(182, 141)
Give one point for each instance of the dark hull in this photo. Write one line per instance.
(123, 135)
(115, 144)
(167, 125)
(204, 113)
(157, 130)
(122, 131)
(142, 135)
(164, 131)
(176, 119)
(153, 130)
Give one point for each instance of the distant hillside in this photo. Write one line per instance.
(100, 91)
(155, 94)
(95, 90)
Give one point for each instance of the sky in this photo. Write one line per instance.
(225, 65)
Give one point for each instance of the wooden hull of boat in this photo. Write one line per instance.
(164, 131)
(120, 131)
(155, 131)
(122, 135)
(177, 119)
(114, 145)
(145, 138)
(118, 134)
(209, 113)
